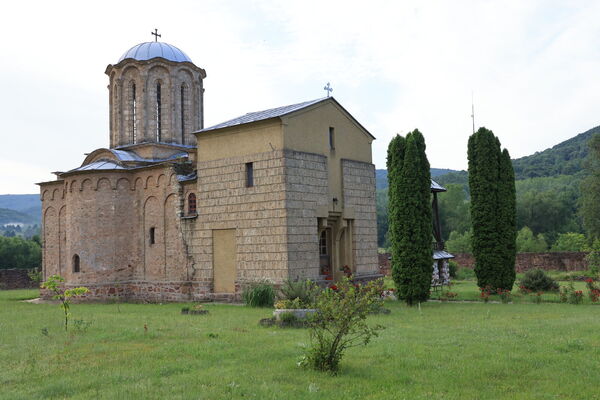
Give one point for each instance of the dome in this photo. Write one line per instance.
(149, 50)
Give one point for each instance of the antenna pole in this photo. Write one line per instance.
(473, 111)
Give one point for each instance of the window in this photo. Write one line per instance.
(249, 174)
(158, 113)
(191, 204)
(133, 114)
(152, 234)
(331, 138)
(182, 114)
(76, 265)
(323, 243)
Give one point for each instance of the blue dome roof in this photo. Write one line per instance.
(149, 50)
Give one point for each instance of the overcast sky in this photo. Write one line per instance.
(533, 68)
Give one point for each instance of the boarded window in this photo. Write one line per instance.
(249, 174)
(191, 204)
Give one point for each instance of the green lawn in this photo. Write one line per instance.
(468, 290)
(440, 351)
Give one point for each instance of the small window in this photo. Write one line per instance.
(331, 138)
(249, 174)
(76, 264)
(152, 235)
(323, 243)
(191, 204)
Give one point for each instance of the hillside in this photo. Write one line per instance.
(382, 182)
(565, 158)
(20, 208)
(15, 217)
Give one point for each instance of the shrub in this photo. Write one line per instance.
(304, 291)
(341, 323)
(259, 295)
(465, 274)
(290, 304)
(536, 280)
(452, 269)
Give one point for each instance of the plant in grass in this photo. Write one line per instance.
(484, 294)
(290, 304)
(304, 291)
(341, 323)
(35, 275)
(505, 295)
(537, 280)
(261, 294)
(593, 290)
(537, 297)
(55, 285)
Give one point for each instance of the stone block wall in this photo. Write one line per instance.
(257, 213)
(562, 261)
(306, 188)
(359, 196)
(15, 278)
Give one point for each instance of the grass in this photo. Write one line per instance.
(437, 351)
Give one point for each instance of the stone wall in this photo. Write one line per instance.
(562, 261)
(306, 189)
(15, 279)
(359, 198)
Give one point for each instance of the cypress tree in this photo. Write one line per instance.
(395, 161)
(493, 211)
(412, 264)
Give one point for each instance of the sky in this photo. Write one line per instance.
(532, 69)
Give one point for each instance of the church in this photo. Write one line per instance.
(174, 211)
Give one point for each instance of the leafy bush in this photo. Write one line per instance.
(465, 274)
(536, 280)
(259, 295)
(452, 268)
(341, 323)
(54, 284)
(304, 291)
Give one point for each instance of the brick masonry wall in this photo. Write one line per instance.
(359, 194)
(562, 261)
(306, 189)
(15, 279)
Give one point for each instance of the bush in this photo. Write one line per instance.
(536, 280)
(465, 274)
(341, 322)
(304, 291)
(259, 295)
(452, 268)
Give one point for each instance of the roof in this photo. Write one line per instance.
(441, 255)
(262, 115)
(277, 112)
(436, 187)
(99, 165)
(149, 50)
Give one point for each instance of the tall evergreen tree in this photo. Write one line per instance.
(395, 162)
(412, 264)
(493, 211)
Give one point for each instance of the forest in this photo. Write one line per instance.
(548, 186)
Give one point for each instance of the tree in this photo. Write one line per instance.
(528, 242)
(454, 210)
(410, 217)
(590, 191)
(55, 284)
(460, 243)
(491, 184)
(570, 242)
(16, 252)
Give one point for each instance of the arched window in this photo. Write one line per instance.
(191, 204)
(158, 112)
(133, 113)
(76, 265)
(182, 114)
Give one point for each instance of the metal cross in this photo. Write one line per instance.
(328, 88)
(156, 35)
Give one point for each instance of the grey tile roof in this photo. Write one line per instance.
(265, 114)
(436, 187)
(98, 165)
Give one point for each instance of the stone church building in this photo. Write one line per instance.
(174, 211)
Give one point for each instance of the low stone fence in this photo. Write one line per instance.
(15, 278)
(562, 261)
